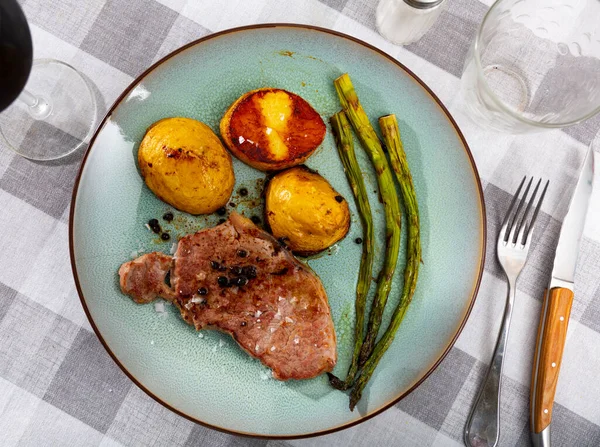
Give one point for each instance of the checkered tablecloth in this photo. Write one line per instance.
(58, 386)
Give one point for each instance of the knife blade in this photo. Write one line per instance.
(556, 309)
(572, 227)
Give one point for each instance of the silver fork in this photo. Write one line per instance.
(483, 425)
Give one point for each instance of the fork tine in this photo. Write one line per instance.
(523, 218)
(529, 226)
(516, 215)
(512, 205)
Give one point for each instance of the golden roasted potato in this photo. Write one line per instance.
(302, 208)
(184, 163)
(272, 129)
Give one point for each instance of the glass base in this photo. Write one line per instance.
(54, 116)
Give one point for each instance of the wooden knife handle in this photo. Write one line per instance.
(552, 333)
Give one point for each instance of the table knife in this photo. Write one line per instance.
(556, 308)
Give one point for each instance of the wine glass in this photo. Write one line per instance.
(44, 95)
(534, 65)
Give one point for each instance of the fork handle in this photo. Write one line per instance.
(552, 333)
(483, 425)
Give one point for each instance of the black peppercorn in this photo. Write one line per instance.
(249, 271)
(168, 217)
(255, 220)
(339, 199)
(223, 281)
(165, 236)
(243, 323)
(222, 221)
(236, 270)
(214, 265)
(221, 211)
(242, 253)
(243, 192)
(202, 291)
(232, 204)
(240, 281)
(358, 240)
(154, 225)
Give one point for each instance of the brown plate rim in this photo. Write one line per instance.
(394, 401)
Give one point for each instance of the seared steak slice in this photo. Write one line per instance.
(144, 278)
(239, 279)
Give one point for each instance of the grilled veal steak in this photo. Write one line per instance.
(239, 279)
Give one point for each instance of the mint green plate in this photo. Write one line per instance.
(205, 376)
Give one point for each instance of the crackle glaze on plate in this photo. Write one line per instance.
(205, 376)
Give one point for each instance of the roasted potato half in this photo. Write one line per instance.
(304, 210)
(272, 129)
(184, 163)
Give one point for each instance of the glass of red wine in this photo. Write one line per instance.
(43, 95)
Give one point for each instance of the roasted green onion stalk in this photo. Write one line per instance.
(391, 135)
(345, 145)
(387, 192)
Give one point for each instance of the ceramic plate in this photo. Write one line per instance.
(205, 376)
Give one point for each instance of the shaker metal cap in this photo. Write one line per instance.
(423, 4)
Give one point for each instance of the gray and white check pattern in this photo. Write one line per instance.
(58, 387)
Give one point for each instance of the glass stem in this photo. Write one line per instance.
(39, 107)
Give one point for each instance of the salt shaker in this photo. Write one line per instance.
(406, 21)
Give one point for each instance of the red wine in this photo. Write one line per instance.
(16, 52)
